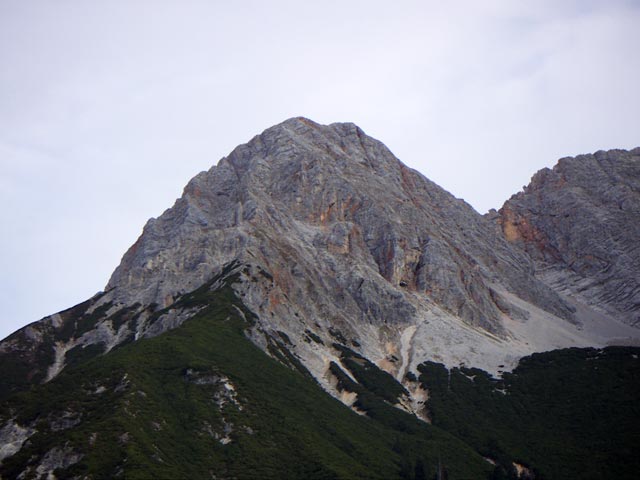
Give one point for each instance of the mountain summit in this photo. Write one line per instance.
(335, 257)
(337, 237)
(579, 222)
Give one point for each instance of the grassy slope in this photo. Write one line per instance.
(153, 421)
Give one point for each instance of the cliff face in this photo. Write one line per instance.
(343, 240)
(330, 239)
(332, 208)
(351, 271)
(580, 223)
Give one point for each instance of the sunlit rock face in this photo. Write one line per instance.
(580, 223)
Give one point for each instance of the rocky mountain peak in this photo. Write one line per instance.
(349, 239)
(580, 222)
(352, 271)
(302, 141)
(330, 242)
(336, 191)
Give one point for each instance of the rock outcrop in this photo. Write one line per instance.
(580, 223)
(330, 240)
(335, 208)
(351, 270)
(341, 237)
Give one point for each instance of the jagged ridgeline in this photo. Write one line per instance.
(312, 308)
(579, 223)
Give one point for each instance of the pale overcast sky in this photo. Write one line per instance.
(108, 108)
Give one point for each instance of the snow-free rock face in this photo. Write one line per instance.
(319, 246)
(580, 223)
(336, 219)
(332, 243)
(346, 242)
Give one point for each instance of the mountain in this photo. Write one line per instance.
(580, 223)
(311, 263)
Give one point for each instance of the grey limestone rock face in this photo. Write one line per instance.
(580, 223)
(329, 238)
(343, 227)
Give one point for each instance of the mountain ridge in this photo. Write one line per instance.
(344, 265)
(578, 222)
(328, 214)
